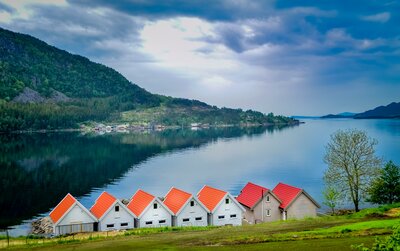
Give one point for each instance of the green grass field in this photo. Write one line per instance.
(322, 233)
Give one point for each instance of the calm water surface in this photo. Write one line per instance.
(37, 170)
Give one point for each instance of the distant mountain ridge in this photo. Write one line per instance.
(43, 87)
(340, 115)
(389, 111)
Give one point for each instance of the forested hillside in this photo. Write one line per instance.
(42, 87)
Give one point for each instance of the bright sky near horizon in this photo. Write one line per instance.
(308, 57)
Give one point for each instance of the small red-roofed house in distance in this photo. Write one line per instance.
(70, 216)
(187, 209)
(261, 204)
(112, 214)
(223, 207)
(296, 203)
(150, 210)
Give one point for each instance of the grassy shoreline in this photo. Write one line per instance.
(329, 232)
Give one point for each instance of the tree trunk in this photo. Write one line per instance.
(356, 206)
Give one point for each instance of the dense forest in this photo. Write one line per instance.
(42, 87)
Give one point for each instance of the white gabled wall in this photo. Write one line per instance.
(191, 213)
(75, 216)
(227, 210)
(155, 216)
(116, 218)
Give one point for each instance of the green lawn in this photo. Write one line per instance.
(327, 233)
(341, 244)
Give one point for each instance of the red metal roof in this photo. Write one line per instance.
(286, 193)
(102, 204)
(251, 194)
(210, 197)
(140, 200)
(62, 208)
(176, 199)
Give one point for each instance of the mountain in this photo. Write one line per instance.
(390, 111)
(43, 87)
(382, 112)
(339, 115)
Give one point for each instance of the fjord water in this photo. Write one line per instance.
(37, 170)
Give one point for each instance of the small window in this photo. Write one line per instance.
(161, 221)
(267, 198)
(110, 225)
(155, 205)
(233, 215)
(199, 218)
(116, 208)
(125, 224)
(221, 216)
(268, 212)
(192, 203)
(185, 219)
(149, 222)
(226, 201)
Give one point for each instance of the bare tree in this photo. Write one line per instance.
(352, 164)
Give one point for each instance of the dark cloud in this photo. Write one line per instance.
(351, 16)
(226, 10)
(80, 30)
(312, 51)
(6, 8)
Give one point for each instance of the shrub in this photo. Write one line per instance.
(390, 243)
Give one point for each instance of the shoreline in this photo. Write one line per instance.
(140, 129)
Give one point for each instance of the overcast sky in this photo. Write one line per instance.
(308, 57)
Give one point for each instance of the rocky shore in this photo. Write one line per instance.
(42, 226)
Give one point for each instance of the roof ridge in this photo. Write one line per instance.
(98, 197)
(214, 188)
(183, 191)
(257, 185)
(286, 193)
(174, 188)
(288, 185)
(131, 202)
(183, 196)
(101, 199)
(63, 199)
(141, 190)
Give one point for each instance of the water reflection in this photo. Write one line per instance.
(37, 170)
